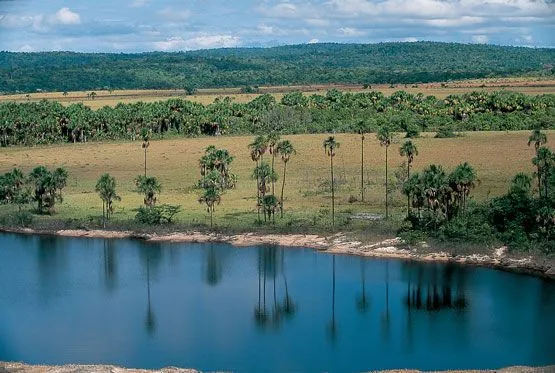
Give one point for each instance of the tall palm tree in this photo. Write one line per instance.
(538, 138)
(361, 128)
(385, 136)
(409, 150)
(286, 150)
(330, 147)
(273, 139)
(145, 134)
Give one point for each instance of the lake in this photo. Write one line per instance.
(261, 309)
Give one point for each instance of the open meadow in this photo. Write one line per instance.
(528, 86)
(496, 157)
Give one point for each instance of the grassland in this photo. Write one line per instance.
(530, 86)
(496, 156)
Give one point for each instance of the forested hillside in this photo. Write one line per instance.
(286, 65)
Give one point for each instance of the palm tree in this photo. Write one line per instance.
(538, 138)
(462, 179)
(385, 136)
(544, 161)
(258, 147)
(270, 204)
(145, 134)
(273, 139)
(286, 150)
(330, 146)
(264, 175)
(361, 128)
(106, 189)
(149, 186)
(409, 150)
(211, 197)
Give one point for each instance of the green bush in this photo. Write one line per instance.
(157, 215)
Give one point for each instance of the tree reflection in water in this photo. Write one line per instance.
(110, 265)
(437, 293)
(332, 326)
(151, 256)
(362, 301)
(271, 262)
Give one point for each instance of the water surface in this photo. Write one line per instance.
(261, 309)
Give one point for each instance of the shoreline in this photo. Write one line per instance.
(13, 367)
(335, 244)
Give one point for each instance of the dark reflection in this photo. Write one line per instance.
(151, 256)
(271, 263)
(110, 265)
(385, 316)
(437, 289)
(362, 300)
(332, 326)
(213, 267)
(51, 263)
(288, 306)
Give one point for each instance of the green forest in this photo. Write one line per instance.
(285, 65)
(46, 122)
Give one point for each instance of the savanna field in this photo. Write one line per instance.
(495, 156)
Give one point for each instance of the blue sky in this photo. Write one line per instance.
(172, 25)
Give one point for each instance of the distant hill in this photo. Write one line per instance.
(285, 65)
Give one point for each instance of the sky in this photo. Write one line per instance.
(176, 25)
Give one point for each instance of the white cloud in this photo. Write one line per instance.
(65, 16)
(350, 31)
(313, 41)
(480, 39)
(26, 48)
(410, 39)
(198, 42)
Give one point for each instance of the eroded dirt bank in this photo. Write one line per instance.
(335, 244)
(23, 368)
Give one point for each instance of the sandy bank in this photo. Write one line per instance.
(335, 244)
(23, 368)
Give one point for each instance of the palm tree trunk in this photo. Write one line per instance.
(103, 215)
(408, 194)
(332, 194)
(211, 214)
(258, 191)
(362, 168)
(145, 162)
(283, 186)
(386, 188)
(273, 182)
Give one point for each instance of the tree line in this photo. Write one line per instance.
(285, 65)
(46, 122)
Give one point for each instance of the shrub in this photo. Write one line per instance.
(157, 215)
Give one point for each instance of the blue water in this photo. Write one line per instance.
(203, 306)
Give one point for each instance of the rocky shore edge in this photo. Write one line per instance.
(8, 367)
(335, 244)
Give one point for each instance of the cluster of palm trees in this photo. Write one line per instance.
(544, 161)
(42, 186)
(216, 177)
(266, 175)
